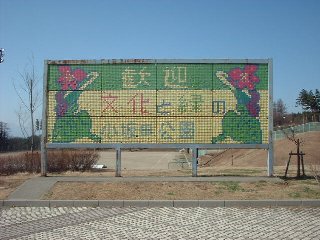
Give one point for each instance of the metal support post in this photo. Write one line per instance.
(118, 162)
(195, 162)
(270, 160)
(270, 123)
(44, 154)
(44, 158)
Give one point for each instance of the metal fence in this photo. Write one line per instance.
(308, 127)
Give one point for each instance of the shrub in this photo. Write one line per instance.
(71, 160)
(58, 161)
(21, 162)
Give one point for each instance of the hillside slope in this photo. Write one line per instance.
(258, 157)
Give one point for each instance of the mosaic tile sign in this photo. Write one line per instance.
(150, 102)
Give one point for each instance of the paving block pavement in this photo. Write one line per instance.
(159, 223)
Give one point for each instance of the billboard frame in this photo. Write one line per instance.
(118, 146)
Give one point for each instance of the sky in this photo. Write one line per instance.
(288, 31)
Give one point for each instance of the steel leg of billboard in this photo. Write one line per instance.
(270, 124)
(44, 154)
(194, 162)
(270, 160)
(44, 159)
(118, 162)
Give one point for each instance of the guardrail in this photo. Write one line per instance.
(307, 127)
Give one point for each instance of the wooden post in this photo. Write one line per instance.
(302, 163)
(285, 174)
(298, 158)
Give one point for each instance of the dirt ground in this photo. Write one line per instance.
(303, 189)
(216, 162)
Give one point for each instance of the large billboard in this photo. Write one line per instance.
(142, 101)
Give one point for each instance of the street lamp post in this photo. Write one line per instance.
(1, 55)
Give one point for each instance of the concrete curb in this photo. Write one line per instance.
(159, 203)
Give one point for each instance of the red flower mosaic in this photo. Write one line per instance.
(245, 78)
(69, 79)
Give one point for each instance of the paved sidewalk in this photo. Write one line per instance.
(179, 219)
(35, 188)
(159, 223)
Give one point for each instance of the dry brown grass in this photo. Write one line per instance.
(306, 189)
(125, 173)
(252, 158)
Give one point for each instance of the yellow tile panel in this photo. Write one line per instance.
(222, 102)
(129, 103)
(184, 130)
(128, 130)
(190, 103)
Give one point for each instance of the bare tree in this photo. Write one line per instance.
(29, 95)
(291, 136)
